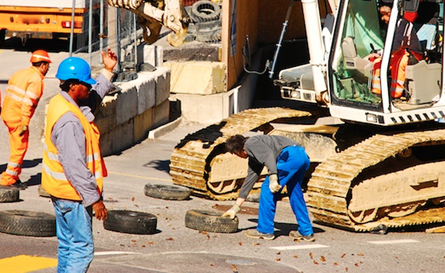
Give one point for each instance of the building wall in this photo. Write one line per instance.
(262, 21)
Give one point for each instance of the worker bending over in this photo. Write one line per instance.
(287, 164)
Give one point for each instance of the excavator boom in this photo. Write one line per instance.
(153, 14)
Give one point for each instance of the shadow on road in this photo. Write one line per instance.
(161, 165)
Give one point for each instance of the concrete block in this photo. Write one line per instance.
(105, 118)
(161, 113)
(123, 136)
(202, 78)
(127, 101)
(193, 52)
(206, 109)
(163, 78)
(127, 117)
(164, 129)
(106, 143)
(142, 124)
(146, 88)
(154, 55)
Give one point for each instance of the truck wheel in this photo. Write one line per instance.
(2, 36)
(211, 221)
(167, 192)
(42, 192)
(205, 11)
(132, 222)
(27, 223)
(8, 194)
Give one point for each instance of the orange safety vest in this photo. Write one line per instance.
(54, 180)
(375, 82)
(25, 88)
(399, 61)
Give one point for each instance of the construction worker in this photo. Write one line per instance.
(73, 168)
(22, 95)
(287, 164)
(406, 44)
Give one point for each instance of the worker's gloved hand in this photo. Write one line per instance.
(100, 211)
(23, 130)
(273, 183)
(232, 212)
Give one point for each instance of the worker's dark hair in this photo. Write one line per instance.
(65, 85)
(37, 64)
(235, 143)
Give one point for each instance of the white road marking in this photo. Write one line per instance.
(295, 247)
(402, 241)
(105, 253)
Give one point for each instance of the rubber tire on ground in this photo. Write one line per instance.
(27, 223)
(9, 194)
(198, 15)
(42, 192)
(167, 192)
(133, 222)
(211, 221)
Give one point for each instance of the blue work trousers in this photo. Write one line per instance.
(292, 164)
(74, 232)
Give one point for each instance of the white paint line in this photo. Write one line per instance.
(403, 241)
(296, 247)
(105, 253)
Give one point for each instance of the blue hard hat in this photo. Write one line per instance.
(75, 68)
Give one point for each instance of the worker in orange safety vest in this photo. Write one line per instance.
(406, 44)
(22, 95)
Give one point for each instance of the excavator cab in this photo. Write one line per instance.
(367, 78)
(362, 72)
(370, 70)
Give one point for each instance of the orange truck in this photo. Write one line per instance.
(47, 19)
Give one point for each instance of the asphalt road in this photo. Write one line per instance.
(176, 248)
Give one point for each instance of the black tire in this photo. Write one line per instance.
(42, 192)
(167, 192)
(211, 221)
(205, 11)
(9, 194)
(2, 36)
(132, 222)
(27, 223)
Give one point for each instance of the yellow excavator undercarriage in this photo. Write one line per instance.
(376, 181)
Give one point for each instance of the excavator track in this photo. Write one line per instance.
(193, 158)
(331, 185)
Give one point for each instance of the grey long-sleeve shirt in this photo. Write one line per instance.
(263, 150)
(69, 138)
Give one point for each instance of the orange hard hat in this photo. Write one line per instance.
(40, 56)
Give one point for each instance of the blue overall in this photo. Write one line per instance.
(292, 164)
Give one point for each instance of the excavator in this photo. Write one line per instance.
(383, 165)
(153, 14)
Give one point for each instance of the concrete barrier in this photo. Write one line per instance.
(200, 78)
(127, 117)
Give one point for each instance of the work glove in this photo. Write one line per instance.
(232, 212)
(23, 130)
(273, 183)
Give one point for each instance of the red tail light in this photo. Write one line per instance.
(67, 24)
